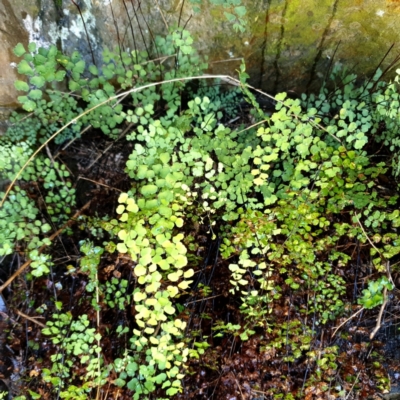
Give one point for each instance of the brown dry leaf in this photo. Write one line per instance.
(117, 274)
(108, 269)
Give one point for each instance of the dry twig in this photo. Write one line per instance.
(27, 263)
(117, 96)
(98, 183)
(32, 319)
(379, 319)
(347, 320)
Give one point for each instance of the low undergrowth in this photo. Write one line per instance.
(264, 216)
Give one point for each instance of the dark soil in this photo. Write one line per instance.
(230, 368)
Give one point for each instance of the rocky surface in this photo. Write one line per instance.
(288, 45)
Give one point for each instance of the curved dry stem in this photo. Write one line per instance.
(225, 78)
(347, 320)
(138, 89)
(27, 263)
(365, 234)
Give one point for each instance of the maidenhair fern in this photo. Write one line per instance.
(224, 103)
(233, 10)
(20, 215)
(274, 193)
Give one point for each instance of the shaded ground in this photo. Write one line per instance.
(230, 367)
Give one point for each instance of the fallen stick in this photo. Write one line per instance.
(26, 264)
(347, 320)
(32, 319)
(379, 319)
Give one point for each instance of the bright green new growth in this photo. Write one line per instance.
(274, 194)
(233, 11)
(19, 216)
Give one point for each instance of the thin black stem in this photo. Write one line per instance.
(120, 44)
(140, 30)
(86, 31)
(153, 40)
(180, 13)
(330, 64)
(377, 67)
(132, 32)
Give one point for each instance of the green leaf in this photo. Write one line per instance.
(123, 197)
(21, 85)
(148, 190)
(172, 391)
(34, 395)
(230, 17)
(35, 94)
(93, 70)
(49, 76)
(139, 296)
(79, 67)
(172, 290)
(188, 274)
(119, 382)
(27, 104)
(73, 86)
(19, 50)
(38, 81)
(60, 75)
(165, 158)
(165, 211)
(121, 247)
(164, 265)
(31, 47)
(132, 206)
(120, 209)
(169, 309)
(179, 222)
(174, 276)
(24, 68)
(240, 11)
(180, 261)
(46, 228)
(140, 270)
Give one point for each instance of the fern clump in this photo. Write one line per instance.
(222, 102)
(281, 196)
(20, 214)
